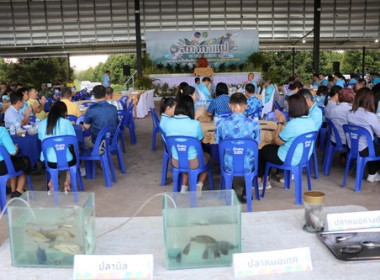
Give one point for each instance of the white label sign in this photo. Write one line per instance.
(113, 267)
(354, 220)
(270, 262)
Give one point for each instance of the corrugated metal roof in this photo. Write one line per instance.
(49, 27)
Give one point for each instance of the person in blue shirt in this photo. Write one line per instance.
(269, 90)
(339, 79)
(254, 104)
(285, 134)
(321, 95)
(375, 79)
(219, 105)
(106, 80)
(56, 124)
(353, 79)
(204, 89)
(167, 108)
(314, 111)
(316, 82)
(251, 80)
(236, 126)
(19, 163)
(183, 124)
(98, 116)
(323, 80)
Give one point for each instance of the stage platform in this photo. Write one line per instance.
(232, 78)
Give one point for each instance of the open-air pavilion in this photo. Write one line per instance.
(39, 28)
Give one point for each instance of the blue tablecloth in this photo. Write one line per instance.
(29, 146)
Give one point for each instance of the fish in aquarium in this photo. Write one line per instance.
(69, 248)
(58, 234)
(37, 236)
(216, 247)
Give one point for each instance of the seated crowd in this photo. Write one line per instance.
(25, 105)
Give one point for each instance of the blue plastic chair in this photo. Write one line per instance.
(90, 156)
(182, 144)
(238, 149)
(60, 144)
(323, 131)
(11, 173)
(307, 141)
(72, 118)
(115, 148)
(353, 134)
(156, 128)
(120, 115)
(165, 160)
(124, 101)
(80, 120)
(330, 148)
(128, 122)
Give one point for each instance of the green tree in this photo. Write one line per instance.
(34, 71)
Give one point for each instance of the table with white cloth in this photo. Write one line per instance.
(261, 231)
(144, 104)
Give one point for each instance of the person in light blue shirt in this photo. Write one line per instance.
(204, 89)
(167, 108)
(316, 82)
(19, 163)
(13, 114)
(183, 124)
(106, 80)
(236, 126)
(376, 79)
(321, 96)
(254, 104)
(315, 112)
(323, 80)
(56, 125)
(251, 80)
(353, 79)
(269, 90)
(339, 79)
(286, 133)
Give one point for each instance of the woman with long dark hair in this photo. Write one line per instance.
(363, 114)
(56, 124)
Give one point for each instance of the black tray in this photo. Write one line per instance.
(349, 239)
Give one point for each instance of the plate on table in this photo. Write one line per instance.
(27, 127)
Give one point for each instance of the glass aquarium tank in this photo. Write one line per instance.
(52, 229)
(201, 229)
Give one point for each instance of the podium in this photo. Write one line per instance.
(203, 71)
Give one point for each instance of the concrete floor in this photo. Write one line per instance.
(142, 181)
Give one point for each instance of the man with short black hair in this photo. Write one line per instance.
(98, 116)
(13, 114)
(109, 99)
(314, 111)
(72, 107)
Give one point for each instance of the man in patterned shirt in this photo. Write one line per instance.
(253, 102)
(238, 126)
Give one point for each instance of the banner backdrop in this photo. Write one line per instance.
(218, 46)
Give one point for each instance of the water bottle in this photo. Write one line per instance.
(12, 129)
(18, 125)
(92, 98)
(37, 122)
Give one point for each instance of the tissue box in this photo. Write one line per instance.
(48, 230)
(201, 229)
